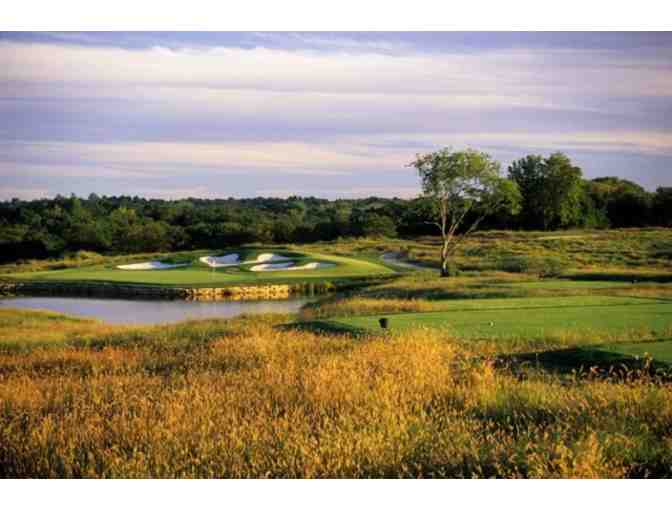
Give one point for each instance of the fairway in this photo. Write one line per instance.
(622, 355)
(531, 317)
(567, 284)
(660, 351)
(199, 274)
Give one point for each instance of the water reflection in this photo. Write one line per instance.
(126, 311)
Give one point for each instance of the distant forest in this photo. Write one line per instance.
(54, 227)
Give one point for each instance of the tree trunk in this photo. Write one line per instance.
(444, 258)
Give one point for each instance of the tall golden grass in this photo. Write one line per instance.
(248, 399)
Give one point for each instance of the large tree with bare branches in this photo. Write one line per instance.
(464, 187)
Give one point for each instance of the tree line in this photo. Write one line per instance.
(542, 193)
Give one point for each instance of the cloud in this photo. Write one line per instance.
(125, 160)
(641, 142)
(345, 156)
(511, 72)
(348, 44)
(79, 93)
(24, 193)
(344, 107)
(349, 192)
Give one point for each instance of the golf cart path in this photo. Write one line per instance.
(393, 258)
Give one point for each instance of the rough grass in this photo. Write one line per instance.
(618, 251)
(251, 400)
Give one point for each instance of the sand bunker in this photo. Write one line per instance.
(270, 257)
(233, 259)
(227, 260)
(272, 267)
(154, 264)
(289, 266)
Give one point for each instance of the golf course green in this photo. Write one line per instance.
(193, 272)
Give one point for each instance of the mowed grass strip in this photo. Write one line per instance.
(532, 317)
(566, 284)
(660, 351)
(626, 358)
(200, 275)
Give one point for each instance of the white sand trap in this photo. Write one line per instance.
(234, 260)
(226, 260)
(272, 267)
(270, 257)
(289, 266)
(154, 264)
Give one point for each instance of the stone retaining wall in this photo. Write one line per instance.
(153, 292)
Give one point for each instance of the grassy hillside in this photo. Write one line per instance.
(601, 252)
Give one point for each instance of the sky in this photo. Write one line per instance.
(333, 115)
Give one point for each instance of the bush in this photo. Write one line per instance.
(514, 264)
(453, 269)
(87, 255)
(541, 266)
(551, 267)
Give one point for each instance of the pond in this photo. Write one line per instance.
(135, 311)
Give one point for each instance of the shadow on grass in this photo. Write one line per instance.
(595, 361)
(181, 336)
(621, 277)
(438, 294)
(325, 327)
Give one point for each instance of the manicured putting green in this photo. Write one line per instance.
(530, 317)
(199, 274)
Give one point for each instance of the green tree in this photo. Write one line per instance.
(458, 184)
(122, 224)
(562, 192)
(528, 174)
(417, 218)
(552, 190)
(626, 203)
(150, 236)
(372, 224)
(662, 207)
(284, 228)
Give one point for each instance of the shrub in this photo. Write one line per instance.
(453, 269)
(514, 264)
(87, 255)
(542, 266)
(550, 267)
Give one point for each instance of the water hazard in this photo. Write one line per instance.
(135, 311)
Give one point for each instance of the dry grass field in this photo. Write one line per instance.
(254, 398)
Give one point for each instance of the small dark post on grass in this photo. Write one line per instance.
(384, 322)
